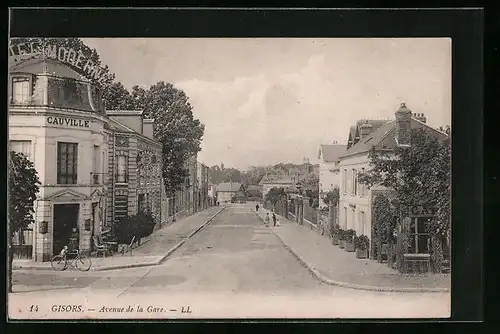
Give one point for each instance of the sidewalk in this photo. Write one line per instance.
(335, 266)
(161, 244)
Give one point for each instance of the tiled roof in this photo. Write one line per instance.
(48, 66)
(331, 153)
(228, 187)
(254, 187)
(373, 139)
(385, 131)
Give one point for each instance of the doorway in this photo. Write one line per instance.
(65, 219)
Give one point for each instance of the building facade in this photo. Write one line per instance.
(355, 207)
(57, 118)
(329, 173)
(226, 191)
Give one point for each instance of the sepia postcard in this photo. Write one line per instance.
(204, 178)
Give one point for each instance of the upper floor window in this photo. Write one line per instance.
(20, 90)
(67, 163)
(122, 169)
(362, 187)
(344, 181)
(354, 189)
(21, 146)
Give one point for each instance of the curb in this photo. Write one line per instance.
(329, 281)
(137, 265)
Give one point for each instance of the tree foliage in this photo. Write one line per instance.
(332, 197)
(274, 195)
(419, 174)
(23, 188)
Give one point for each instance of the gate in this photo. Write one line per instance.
(22, 244)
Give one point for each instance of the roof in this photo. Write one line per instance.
(275, 179)
(331, 153)
(228, 187)
(354, 130)
(124, 112)
(376, 138)
(116, 126)
(254, 187)
(46, 66)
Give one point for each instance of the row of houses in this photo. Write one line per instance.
(340, 165)
(95, 166)
(224, 192)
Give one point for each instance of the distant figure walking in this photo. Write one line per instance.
(257, 208)
(274, 219)
(266, 219)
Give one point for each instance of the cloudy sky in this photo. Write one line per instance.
(265, 101)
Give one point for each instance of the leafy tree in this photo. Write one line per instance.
(274, 195)
(419, 174)
(175, 127)
(332, 197)
(23, 188)
(117, 97)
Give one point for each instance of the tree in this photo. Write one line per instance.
(274, 195)
(419, 174)
(332, 197)
(23, 188)
(175, 127)
(117, 97)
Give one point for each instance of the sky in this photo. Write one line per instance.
(270, 100)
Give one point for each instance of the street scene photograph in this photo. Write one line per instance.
(245, 178)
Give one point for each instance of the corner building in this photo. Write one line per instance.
(58, 119)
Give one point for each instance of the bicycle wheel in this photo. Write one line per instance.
(83, 263)
(59, 263)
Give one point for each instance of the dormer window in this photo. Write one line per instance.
(21, 91)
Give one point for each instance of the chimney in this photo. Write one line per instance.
(148, 127)
(365, 129)
(403, 125)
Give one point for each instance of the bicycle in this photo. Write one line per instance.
(61, 262)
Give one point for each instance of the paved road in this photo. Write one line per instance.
(235, 267)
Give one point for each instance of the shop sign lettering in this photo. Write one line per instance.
(79, 123)
(76, 58)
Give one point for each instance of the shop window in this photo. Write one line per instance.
(67, 163)
(122, 169)
(21, 90)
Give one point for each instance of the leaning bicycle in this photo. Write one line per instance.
(74, 259)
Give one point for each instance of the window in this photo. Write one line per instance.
(67, 158)
(140, 203)
(345, 217)
(362, 222)
(419, 237)
(354, 182)
(122, 166)
(96, 165)
(20, 90)
(344, 181)
(21, 146)
(362, 187)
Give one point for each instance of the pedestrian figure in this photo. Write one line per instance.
(257, 208)
(274, 219)
(266, 220)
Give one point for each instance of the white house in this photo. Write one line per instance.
(355, 211)
(329, 175)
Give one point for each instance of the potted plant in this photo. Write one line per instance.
(361, 243)
(341, 236)
(334, 231)
(349, 240)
